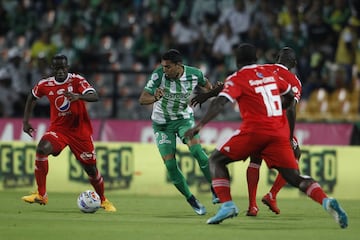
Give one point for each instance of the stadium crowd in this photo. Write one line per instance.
(117, 43)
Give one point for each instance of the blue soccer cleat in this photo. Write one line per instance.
(227, 210)
(332, 206)
(196, 205)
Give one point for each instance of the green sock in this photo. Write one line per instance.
(177, 177)
(202, 159)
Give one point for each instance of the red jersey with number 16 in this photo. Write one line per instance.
(257, 92)
(66, 116)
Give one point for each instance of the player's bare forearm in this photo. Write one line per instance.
(29, 106)
(87, 97)
(146, 98)
(203, 97)
(291, 117)
(214, 109)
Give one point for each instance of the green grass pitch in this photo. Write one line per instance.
(168, 218)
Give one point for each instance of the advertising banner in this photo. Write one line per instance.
(130, 168)
(11, 129)
(213, 133)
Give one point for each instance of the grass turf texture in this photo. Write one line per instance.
(149, 217)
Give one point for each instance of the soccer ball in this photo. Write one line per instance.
(89, 201)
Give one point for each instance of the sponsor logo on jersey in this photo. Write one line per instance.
(60, 91)
(177, 95)
(164, 139)
(62, 103)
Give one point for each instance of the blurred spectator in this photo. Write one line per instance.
(40, 70)
(43, 45)
(238, 17)
(101, 35)
(20, 83)
(127, 109)
(146, 48)
(346, 48)
(7, 96)
(222, 51)
(184, 36)
(339, 15)
(201, 9)
(5, 21)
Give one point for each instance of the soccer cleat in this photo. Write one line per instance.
(271, 203)
(227, 210)
(108, 206)
(332, 206)
(196, 205)
(36, 198)
(252, 211)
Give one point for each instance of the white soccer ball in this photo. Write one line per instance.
(89, 201)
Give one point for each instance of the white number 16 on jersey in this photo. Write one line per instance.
(272, 102)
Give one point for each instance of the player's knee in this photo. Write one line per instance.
(44, 147)
(171, 165)
(305, 183)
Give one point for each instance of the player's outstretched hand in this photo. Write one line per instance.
(199, 99)
(28, 129)
(159, 93)
(72, 96)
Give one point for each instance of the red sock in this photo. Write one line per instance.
(41, 170)
(278, 184)
(316, 192)
(252, 176)
(222, 189)
(98, 183)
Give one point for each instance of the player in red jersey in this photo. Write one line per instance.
(286, 60)
(258, 93)
(69, 126)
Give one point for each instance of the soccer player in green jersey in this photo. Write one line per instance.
(169, 89)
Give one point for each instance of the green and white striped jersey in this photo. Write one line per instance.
(174, 105)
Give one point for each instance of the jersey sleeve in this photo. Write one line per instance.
(83, 85)
(231, 89)
(296, 88)
(201, 79)
(284, 86)
(294, 81)
(38, 90)
(153, 82)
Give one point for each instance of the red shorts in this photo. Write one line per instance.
(83, 148)
(276, 151)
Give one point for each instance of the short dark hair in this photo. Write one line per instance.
(59, 57)
(245, 54)
(287, 57)
(172, 55)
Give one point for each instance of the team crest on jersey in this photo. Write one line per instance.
(62, 103)
(259, 75)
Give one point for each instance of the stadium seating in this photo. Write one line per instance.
(316, 108)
